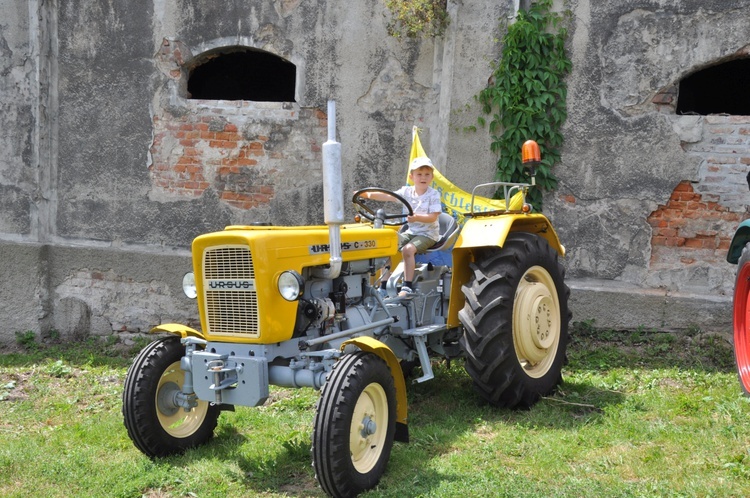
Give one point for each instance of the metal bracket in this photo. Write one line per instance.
(225, 374)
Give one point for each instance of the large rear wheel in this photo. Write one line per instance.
(742, 319)
(354, 425)
(516, 321)
(155, 423)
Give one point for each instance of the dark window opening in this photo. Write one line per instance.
(243, 75)
(721, 89)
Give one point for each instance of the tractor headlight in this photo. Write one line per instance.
(188, 285)
(291, 285)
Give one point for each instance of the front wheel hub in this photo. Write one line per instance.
(166, 399)
(369, 427)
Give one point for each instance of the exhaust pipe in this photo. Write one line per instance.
(333, 195)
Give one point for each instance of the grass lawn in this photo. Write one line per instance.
(639, 414)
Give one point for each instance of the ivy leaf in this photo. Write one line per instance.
(528, 95)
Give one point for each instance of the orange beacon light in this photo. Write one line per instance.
(531, 157)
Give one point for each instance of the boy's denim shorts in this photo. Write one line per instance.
(421, 242)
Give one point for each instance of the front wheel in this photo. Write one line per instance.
(155, 423)
(741, 320)
(354, 425)
(515, 321)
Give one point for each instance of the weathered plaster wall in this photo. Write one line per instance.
(108, 165)
(107, 79)
(626, 156)
(80, 291)
(17, 122)
(108, 170)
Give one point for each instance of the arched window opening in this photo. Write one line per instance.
(720, 89)
(245, 74)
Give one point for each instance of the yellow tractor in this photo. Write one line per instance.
(301, 307)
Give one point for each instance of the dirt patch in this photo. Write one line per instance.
(13, 386)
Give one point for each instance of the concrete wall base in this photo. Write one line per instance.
(79, 292)
(84, 291)
(617, 305)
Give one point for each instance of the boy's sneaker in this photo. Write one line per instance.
(405, 292)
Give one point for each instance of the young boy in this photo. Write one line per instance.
(423, 229)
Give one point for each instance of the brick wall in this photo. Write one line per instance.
(244, 151)
(240, 149)
(696, 225)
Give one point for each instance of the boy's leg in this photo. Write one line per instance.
(408, 250)
(415, 244)
(407, 253)
(422, 243)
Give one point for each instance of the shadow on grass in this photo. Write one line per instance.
(443, 412)
(283, 469)
(599, 350)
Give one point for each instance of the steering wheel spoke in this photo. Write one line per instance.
(364, 197)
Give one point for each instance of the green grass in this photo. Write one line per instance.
(640, 414)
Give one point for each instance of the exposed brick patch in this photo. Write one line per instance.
(666, 99)
(244, 151)
(691, 228)
(725, 154)
(241, 155)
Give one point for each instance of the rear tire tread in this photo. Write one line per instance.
(487, 317)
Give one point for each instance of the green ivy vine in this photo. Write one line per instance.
(527, 94)
(415, 18)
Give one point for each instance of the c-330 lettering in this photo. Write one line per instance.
(345, 246)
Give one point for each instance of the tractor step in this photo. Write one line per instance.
(425, 330)
(420, 341)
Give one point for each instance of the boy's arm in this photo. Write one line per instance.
(423, 218)
(378, 196)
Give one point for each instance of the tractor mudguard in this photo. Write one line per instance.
(366, 343)
(177, 329)
(741, 237)
(491, 231)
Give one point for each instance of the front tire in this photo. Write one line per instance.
(516, 321)
(155, 424)
(354, 425)
(741, 320)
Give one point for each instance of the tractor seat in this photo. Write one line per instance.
(448, 233)
(449, 229)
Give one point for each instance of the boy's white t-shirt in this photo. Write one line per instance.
(427, 203)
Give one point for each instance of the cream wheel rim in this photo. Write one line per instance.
(536, 321)
(173, 418)
(368, 428)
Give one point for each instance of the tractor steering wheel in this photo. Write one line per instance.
(378, 212)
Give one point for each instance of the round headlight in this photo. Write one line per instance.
(291, 285)
(188, 285)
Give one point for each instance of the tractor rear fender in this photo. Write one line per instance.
(366, 343)
(741, 237)
(177, 329)
(491, 231)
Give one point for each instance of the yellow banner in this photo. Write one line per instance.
(456, 201)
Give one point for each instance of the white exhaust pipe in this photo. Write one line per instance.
(333, 195)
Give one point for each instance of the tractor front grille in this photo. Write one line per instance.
(231, 299)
